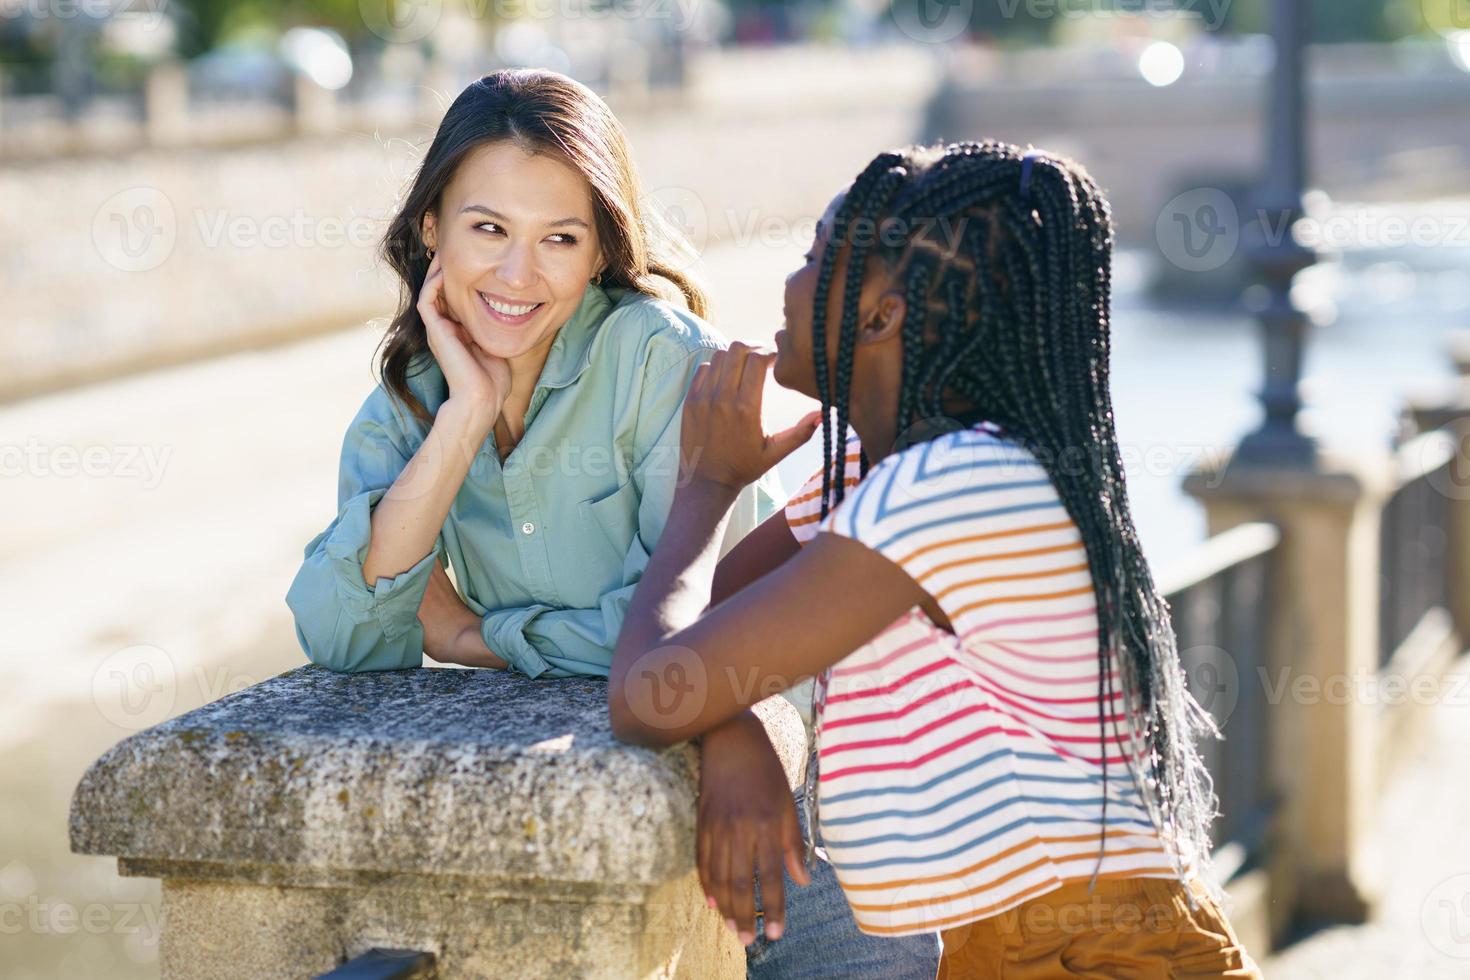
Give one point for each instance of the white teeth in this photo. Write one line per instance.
(507, 308)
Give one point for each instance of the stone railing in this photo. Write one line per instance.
(1340, 689)
(488, 820)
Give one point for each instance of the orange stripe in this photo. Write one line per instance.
(989, 536)
(1039, 597)
(931, 879)
(996, 907)
(817, 493)
(919, 903)
(1001, 557)
(1019, 576)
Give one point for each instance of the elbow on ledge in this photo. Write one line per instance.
(637, 725)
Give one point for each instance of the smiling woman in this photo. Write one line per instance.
(525, 434)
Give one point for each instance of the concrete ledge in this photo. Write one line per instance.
(490, 819)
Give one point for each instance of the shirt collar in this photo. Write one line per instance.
(571, 350)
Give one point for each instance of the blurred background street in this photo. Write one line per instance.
(190, 197)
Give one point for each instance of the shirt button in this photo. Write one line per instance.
(528, 528)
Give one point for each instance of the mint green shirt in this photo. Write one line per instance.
(548, 547)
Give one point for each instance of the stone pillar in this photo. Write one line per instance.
(314, 107)
(1323, 739)
(166, 105)
(488, 819)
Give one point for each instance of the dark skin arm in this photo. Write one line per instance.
(747, 819)
(814, 609)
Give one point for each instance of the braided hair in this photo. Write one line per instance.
(1007, 287)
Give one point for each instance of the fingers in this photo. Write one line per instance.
(703, 856)
(793, 846)
(787, 441)
(732, 367)
(741, 889)
(773, 888)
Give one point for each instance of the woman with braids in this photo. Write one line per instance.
(526, 435)
(1006, 749)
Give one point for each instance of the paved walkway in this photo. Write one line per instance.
(1421, 855)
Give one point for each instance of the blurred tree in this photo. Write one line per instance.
(1336, 21)
(204, 23)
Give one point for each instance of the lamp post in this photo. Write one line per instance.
(1275, 257)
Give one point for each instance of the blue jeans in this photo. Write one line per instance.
(821, 938)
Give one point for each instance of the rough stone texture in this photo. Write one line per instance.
(489, 818)
(423, 771)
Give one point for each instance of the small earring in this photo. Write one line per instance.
(596, 280)
(431, 255)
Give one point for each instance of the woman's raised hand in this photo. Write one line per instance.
(722, 439)
(479, 380)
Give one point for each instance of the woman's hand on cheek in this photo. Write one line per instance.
(722, 439)
(479, 380)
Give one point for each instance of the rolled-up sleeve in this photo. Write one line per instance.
(540, 640)
(341, 622)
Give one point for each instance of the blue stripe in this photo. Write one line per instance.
(957, 518)
(980, 788)
(969, 819)
(962, 848)
(1130, 794)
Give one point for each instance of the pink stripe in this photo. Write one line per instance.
(1082, 720)
(1051, 681)
(897, 712)
(908, 738)
(903, 681)
(1015, 620)
(970, 684)
(1041, 657)
(943, 750)
(989, 684)
(880, 664)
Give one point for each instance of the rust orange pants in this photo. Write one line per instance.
(1123, 928)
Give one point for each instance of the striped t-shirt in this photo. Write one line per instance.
(961, 774)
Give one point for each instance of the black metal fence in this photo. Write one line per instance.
(1220, 606)
(1414, 541)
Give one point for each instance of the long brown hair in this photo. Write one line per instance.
(545, 113)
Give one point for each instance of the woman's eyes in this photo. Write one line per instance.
(494, 229)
